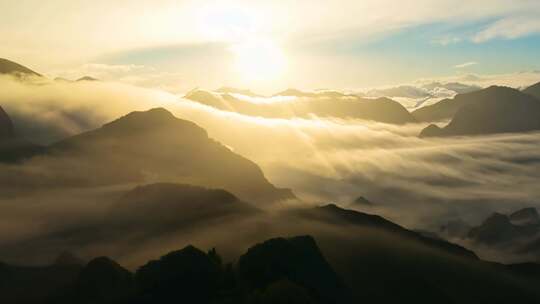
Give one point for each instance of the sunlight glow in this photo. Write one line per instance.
(259, 59)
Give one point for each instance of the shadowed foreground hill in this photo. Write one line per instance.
(386, 263)
(362, 259)
(506, 111)
(279, 270)
(156, 146)
(447, 108)
(324, 104)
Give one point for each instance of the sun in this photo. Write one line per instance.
(259, 60)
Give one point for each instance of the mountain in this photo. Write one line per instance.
(362, 202)
(525, 216)
(386, 263)
(351, 257)
(297, 260)
(230, 90)
(312, 94)
(498, 229)
(12, 147)
(533, 90)
(86, 78)
(13, 68)
(501, 237)
(459, 88)
(324, 104)
(155, 145)
(184, 276)
(496, 110)
(102, 280)
(34, 284)
(168, 207)
(335, 215)
(6, 126)
(447, 108)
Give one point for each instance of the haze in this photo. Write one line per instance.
(269, 152)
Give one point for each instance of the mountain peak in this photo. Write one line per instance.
(87, 78)
(525, 216)
(151, 119)
(13, 68)
(362, 201)
(6, 125)
(533, 90)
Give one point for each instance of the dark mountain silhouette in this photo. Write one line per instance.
(102, 280)
(207, 98)
(498, 229)
(12, 147)
(533, 90)
(169, 207)
(496, 110)
(13, 68)
(342, 106)
(447, 108)
(35, 284)
(516, 235)
(385, 263)
(362, 202)
(185, 276)
(297, 260)
(363, 266)
(87, 78)
(6, 126)
(157, 144)
(525, 216)
(339, 216)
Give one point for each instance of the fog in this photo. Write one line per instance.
(418, 183)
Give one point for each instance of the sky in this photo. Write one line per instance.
(271, 45)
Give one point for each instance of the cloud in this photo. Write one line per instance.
(509, 28)
(465, 65)
(447, 40)
(419, 183)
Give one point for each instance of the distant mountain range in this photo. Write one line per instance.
(488, 111)
(323, 103)
(500, 228)
(9, 67)
(517, 233)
